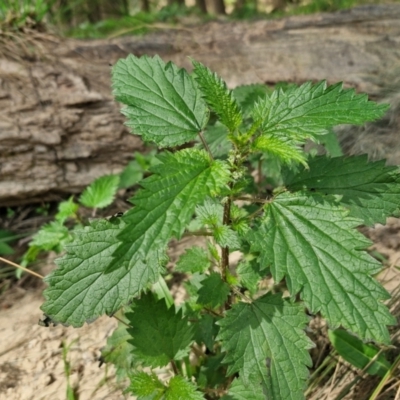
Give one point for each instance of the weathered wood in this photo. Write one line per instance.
(60, 127)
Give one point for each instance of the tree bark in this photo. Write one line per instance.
(60, 127)
(202, 6)
(217, 7)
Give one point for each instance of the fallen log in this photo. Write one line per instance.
(60, 127)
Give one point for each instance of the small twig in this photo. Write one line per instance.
(209, 310)
(251, 216)
(241, 295)
(21, 267)
(333, 378)
(203, 140)
(122, 322)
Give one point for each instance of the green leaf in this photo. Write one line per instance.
(160, 334)
(119, 351)
(192, 288)
(247, 95)
(239, 391)
(101, 192)
(218, 96)
(214, 291)
(50, 237)
(131, 175)
(180, 389)
(286, 152)
(313, 243)
(165, 205)
(265, 342)
(146, 386)
(371, 191)
(66, 209)
(249, 275)
(212, 372)
(195, 259)
(6, 236)
(206, 331)
(225, 236)
(359, 354)
(210, 213)
(307, 111)
(134, 171)
(80, 290)
(162, 101)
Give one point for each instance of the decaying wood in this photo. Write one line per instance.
(59, 125)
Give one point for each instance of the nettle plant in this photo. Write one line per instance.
(244, 184)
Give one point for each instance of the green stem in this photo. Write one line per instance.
(383, 382)
(162, 291)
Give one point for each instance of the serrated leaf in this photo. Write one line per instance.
(165, 205)
(163, 103)
(307, 111)
(313, 243)
(239, 391)
(210, 213)
(195, 259)
(146, 386)
(50, 237)
(192, 288)
(159, 334)
(212, 372)
(247, 95)
(180, 389)
(214, 291)
(226, 237)
(119, 351)
(370, 190)
(66, 209)
(101, 192)
(265, 342)
(286, 152)
(239, 220)
(359, 354)
(80, 290)
(218, 96)
(206, 331)
(249, 275)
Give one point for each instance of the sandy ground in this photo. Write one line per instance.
(31, 363)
